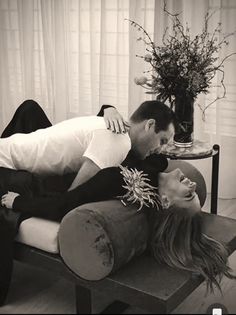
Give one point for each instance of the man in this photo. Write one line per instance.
(151, 125)
(84, 144)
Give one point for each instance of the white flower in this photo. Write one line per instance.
(140, 80)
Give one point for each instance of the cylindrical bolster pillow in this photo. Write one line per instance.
(96, 239)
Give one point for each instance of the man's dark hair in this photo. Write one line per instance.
(157, 110)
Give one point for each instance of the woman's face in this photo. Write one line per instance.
(179, 190)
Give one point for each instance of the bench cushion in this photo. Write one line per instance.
(39, 233)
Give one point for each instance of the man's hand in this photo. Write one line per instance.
(114, 121)
(8, 199)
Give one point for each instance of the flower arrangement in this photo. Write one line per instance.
(183, 65)
(138, 189)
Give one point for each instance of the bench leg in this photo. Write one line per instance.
(83, 300)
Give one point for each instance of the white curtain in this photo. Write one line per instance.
(72, 56)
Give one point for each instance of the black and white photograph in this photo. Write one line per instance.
(117, 157)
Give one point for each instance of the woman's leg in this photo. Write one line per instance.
(9, 222)
(28, 117)
(21, 182)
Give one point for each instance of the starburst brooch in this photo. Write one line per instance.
(138, 189)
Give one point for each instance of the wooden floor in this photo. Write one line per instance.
(35, 291)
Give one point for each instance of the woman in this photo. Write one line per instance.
(177, 237)
(176, 229)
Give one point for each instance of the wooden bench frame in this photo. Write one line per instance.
(130, 285)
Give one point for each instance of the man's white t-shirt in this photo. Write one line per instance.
(61, 148)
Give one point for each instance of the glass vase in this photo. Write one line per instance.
(184, 111)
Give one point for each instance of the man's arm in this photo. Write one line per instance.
(87, 170)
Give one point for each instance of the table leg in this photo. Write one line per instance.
(215, 178)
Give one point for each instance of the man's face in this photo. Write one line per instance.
(150, 142)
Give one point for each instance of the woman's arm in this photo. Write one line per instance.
(106, 184)
(113, 119)
(102, 110)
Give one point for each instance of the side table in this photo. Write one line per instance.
(199, 150)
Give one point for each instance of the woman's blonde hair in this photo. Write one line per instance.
(178, 239)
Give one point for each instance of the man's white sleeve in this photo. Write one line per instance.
(107, 149)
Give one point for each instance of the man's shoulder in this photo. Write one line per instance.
(81, 123)
(90, 122)
(108, 134)
(109, 141)
(89, 118)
